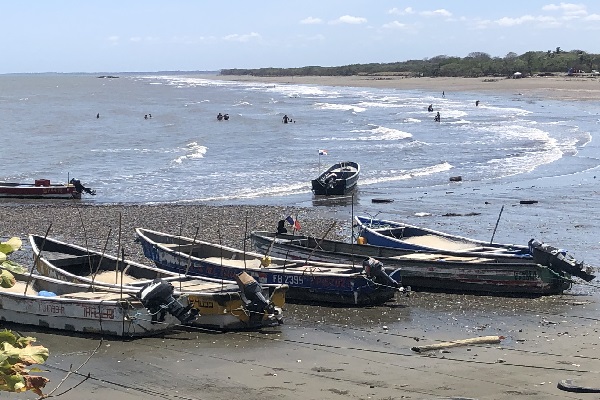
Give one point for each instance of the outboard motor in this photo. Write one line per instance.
(80, 188)
(158, 298)
(254, 300)
(558, 259)
(374, 270)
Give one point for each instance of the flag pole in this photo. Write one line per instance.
(319, 163)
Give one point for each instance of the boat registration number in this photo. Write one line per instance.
(288, 279)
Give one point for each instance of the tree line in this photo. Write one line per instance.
(475, 64)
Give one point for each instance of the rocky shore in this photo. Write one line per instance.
(98, 226)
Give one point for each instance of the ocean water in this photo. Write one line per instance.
(49, 129)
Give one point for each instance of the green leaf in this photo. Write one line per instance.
(8, 337)
(27, 355)
(14, 267)
(13, 244)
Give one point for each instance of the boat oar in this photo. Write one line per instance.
(320, 241)
(496, 227)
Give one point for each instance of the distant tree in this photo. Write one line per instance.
(511, 55)
(478, 54)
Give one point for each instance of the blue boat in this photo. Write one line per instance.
(399, 235)
(363, 284)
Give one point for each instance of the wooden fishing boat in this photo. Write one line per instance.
(400, 235)
(49, 303)
(404, 236)
(240, 303)
(307, 281)
(43, 189)
(422, 270)
(339, 179)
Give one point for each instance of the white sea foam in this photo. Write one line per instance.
(394, 175)
(194, 152)
(411, 120)
(341, 107)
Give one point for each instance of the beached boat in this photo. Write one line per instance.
(49, 303)
(404, 236)
(379, 232)
(307, 281)
(240, 303)
(339, 179)
(43, 189)
(422, 270)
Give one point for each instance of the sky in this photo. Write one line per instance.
(202, 35)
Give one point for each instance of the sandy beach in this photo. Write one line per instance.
(320, 352)
(560, 87)
(333, 353)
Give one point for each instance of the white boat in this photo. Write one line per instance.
(219, 304)
(49, 303)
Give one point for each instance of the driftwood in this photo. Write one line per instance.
(456, 343)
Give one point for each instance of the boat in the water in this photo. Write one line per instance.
(424, 271)
(43, 189)
(44, 302)
(239, 303)
(400, 235)
(364, 284)
(339, 179)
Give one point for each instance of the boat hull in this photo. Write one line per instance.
(409, 237)
(219, 303)
(424, 271)
(345, 175)
(77, 308)
(307, 283)
(31, 191)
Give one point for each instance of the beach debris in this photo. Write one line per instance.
(456, 343)
(422, 214)
(382, 200)
(569, 386)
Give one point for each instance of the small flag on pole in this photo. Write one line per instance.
(322, 152)
(294, 222)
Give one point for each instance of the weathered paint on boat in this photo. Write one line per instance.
(218, 302)
(423, 271)
(77, 308)
(308, 282)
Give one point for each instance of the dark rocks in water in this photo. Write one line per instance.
(455, 178)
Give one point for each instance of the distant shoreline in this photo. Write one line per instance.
(555, 87)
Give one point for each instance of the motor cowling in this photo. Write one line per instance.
(158, 298)
(374, 270)
(254, 300)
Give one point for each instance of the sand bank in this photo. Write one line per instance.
(557, 87)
